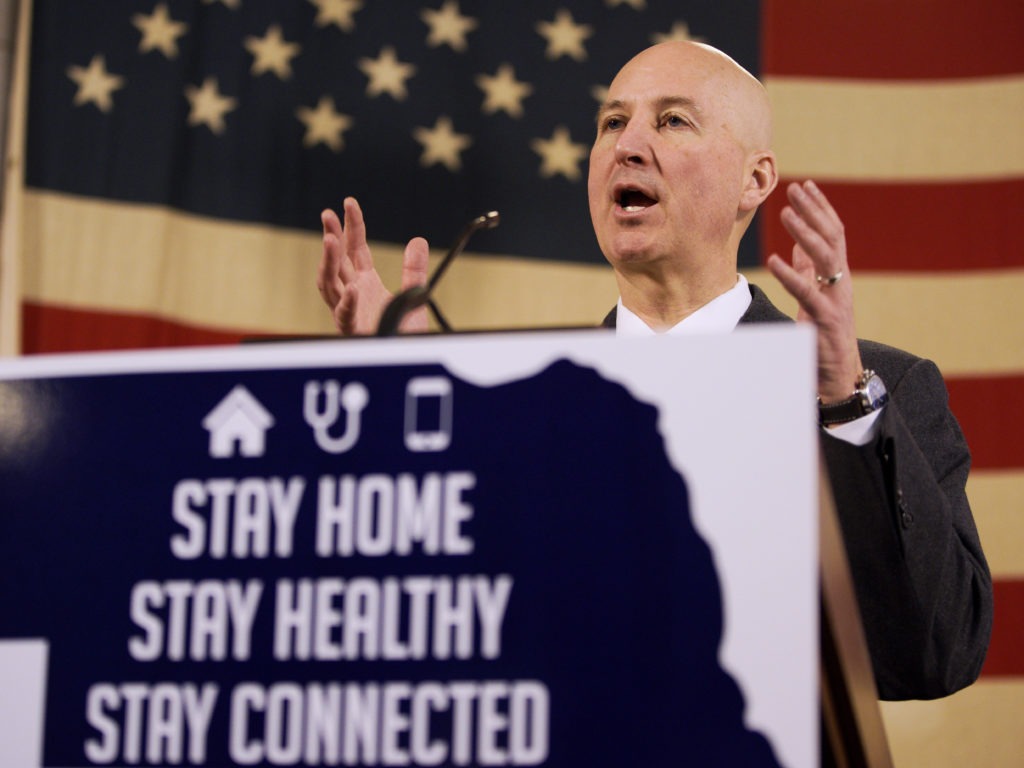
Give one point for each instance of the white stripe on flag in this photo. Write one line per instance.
(887, 130)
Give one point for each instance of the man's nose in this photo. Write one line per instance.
(633, 146)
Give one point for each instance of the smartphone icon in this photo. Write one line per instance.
(428, 413)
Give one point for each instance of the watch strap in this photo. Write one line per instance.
(850, 409)
(869, 395)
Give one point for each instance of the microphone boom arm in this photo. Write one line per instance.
(413, 298)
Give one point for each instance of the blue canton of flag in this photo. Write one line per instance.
(267, 111)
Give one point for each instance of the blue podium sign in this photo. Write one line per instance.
(535, 549)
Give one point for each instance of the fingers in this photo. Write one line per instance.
(816, 227)
(414, 265)
(414, 272)
(356, 247)
(344, 250)
(347, 280)
(328, 279)
(812, 203)
(345, 311)
(820, 251)
(796, 283)
(331, 222)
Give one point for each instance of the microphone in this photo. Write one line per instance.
(412, 298)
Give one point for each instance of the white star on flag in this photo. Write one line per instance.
(448, 25)
(680, 31)
(387, 74)
(565, 37)
(560, 154)
(95, 84)
(324, 124)
(159, 31)
(208, 105)
(503, 91)
(441, 144)
(337, 12)
(272, 53)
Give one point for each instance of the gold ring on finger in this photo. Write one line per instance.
(830, 281)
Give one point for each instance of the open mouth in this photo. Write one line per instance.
(633, 200)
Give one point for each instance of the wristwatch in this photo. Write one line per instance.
(869, 395)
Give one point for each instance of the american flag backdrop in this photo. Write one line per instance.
(263, 112)
(912, 116)
(170, 159)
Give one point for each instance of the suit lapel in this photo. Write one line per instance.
(761, 310)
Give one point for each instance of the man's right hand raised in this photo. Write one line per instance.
(350, 285)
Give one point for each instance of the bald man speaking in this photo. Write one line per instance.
(680, 164)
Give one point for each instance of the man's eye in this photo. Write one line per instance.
(675, 121)
(613, 123)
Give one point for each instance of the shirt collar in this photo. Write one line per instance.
(720, 315)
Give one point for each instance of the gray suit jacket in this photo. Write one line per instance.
(919, 572)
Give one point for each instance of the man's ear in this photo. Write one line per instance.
(762, 177)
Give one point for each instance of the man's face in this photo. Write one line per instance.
(666, 168)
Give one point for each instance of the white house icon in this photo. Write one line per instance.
(239, 420)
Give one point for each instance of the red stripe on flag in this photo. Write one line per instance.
(908, 227)
(1004, 652)
(912, 39)
(48, 329)
(991, 413)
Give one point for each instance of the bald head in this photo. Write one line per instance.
(738, 96)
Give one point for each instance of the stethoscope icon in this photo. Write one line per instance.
(352, 398)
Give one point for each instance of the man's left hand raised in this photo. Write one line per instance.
(819, 279)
